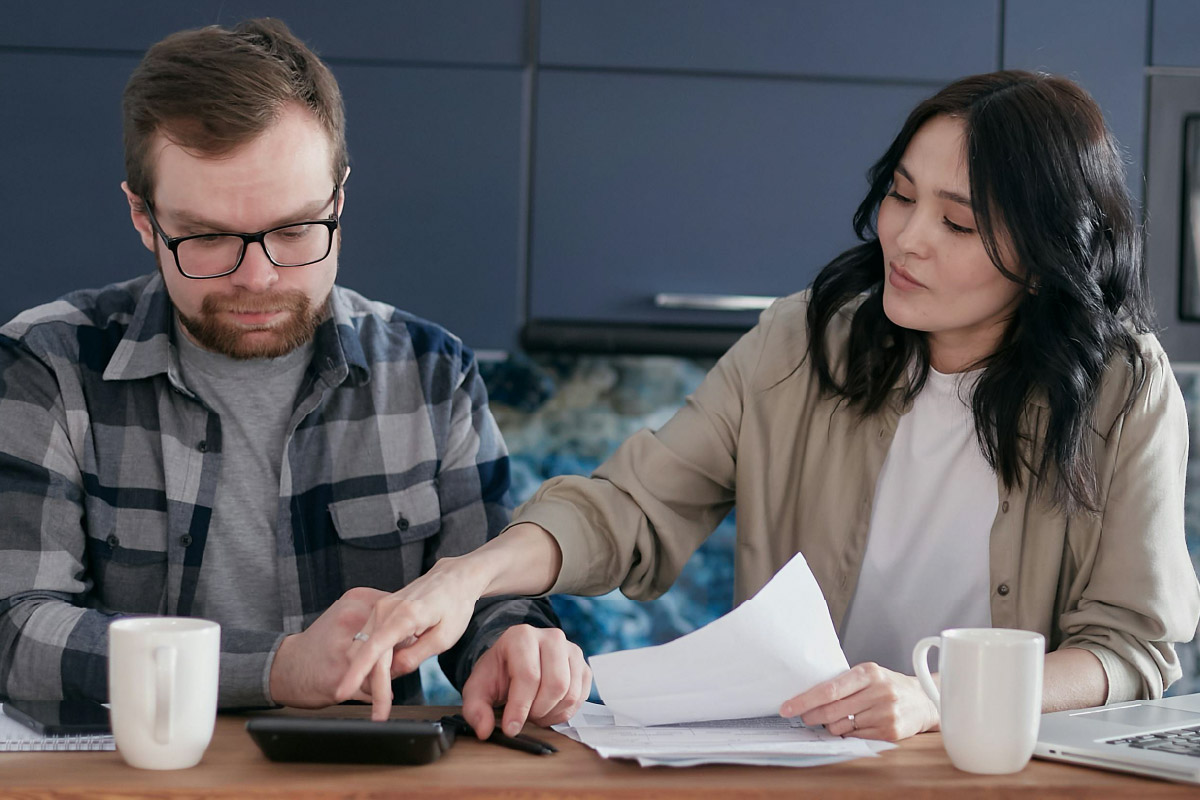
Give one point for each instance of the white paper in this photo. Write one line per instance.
(766, 741)
(769, 649)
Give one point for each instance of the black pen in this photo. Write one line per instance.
(526, 744)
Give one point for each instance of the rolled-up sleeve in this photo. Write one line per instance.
(1140, 594)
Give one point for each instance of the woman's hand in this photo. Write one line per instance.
(867, 701)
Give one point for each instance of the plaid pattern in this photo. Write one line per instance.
(109, 466)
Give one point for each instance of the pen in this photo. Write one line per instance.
(526, 744)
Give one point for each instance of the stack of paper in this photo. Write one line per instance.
(766, 741)
(713, 696)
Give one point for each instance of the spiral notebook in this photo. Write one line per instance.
(15, 737)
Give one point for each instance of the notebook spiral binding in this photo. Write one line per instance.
(98, 741)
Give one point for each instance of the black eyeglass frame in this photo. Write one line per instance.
(173, 242)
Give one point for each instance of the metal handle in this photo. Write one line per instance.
(713, 302)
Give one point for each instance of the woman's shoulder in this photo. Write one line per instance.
(783, 331)
(1146, 377)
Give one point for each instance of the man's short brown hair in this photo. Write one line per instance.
(213, 89)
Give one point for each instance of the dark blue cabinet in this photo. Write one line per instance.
(1097, 43)
(917, 40)
(433, 211)
(649, 184)
(1175, 36)
(67, 221)
(716, 147)
(440, 31)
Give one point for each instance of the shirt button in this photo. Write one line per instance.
(186, 540)
(112, 540)
(1004, 507)
(1002, 590)
(202, 446)
(402, 523)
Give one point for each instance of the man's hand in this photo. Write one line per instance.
(884, 704)
(535, 672)
(309, 666)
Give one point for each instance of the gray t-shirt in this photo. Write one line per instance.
(239, 584)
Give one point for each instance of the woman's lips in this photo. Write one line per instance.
(901, 279)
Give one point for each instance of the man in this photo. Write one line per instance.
(235, 437)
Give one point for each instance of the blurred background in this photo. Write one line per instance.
(598, 195)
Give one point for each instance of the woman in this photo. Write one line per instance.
(965, 422)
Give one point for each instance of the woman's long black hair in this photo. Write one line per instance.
(1046, 176)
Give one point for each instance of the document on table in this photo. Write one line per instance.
(744, 665)
(766, 741)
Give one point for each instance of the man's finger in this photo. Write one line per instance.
(479, 695)
(555, 679)
(581, 686)
(522, 665)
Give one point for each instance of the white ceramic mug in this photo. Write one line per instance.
(162, 688)
(991, 695)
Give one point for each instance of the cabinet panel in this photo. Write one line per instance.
(464, 31)
(433, 201)
(1099, 43)
(933, 40)
(648, 184)
(67, 221)
(1176, 34)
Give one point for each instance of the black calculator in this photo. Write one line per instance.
(350, 741)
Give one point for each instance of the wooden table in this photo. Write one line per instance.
(234, 767)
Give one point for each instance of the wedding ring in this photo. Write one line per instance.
(361, 637)
(853, 722)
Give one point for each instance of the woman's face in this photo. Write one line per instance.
(937, 276)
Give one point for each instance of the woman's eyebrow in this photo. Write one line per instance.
(945, 194)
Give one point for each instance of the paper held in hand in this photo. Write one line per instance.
(772, 647)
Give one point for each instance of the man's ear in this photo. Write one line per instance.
(141, 222)
(342, 202)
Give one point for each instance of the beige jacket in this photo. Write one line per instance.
(802, 469)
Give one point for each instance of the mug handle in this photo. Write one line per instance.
(164, 690)
(921, 668)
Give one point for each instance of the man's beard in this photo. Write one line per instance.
(246, 342)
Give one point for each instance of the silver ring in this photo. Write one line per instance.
(853, 722)
(361, 637)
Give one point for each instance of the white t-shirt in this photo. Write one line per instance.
(926, 565)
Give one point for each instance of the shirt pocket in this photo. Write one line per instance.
(126, 552)
(381, 538)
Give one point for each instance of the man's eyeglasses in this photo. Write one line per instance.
(214, 255)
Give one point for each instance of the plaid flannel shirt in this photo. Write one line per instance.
(109, 468)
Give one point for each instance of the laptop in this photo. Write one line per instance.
(1159, 738)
